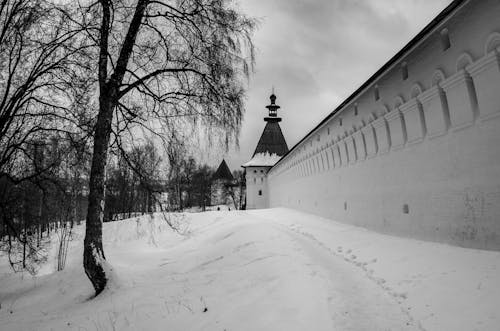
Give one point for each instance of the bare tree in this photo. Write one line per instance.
(180, 59)
(134, 181)
(53, 199)
(43, 80)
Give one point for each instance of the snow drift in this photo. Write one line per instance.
(273, 269)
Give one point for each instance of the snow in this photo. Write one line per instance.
(274, 269)
(263, 160)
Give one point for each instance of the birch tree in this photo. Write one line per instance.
(179, 62)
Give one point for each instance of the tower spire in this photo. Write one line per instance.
(273, 109)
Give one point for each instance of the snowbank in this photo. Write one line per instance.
(263, 160)
(274, 269)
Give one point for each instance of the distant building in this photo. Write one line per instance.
(270, 148)
(222, 180)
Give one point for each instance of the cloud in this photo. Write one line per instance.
(317, 52)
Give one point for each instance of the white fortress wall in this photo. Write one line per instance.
(423, 160)
(256, 180)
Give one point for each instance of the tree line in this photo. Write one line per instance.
(80, 81)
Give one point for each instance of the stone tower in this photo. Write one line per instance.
(270, 148)
(221, 180)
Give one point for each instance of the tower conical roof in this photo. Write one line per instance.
(272, 140)
(223, 172)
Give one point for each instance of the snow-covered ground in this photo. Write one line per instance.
(274, 269)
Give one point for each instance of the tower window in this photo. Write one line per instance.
(255, 180)
(260, 192)
(262, 179)
(445, 39)
(406, 209)
(356, 110)
(328, 130)
(376, 93)
(404, 70)
(340, 121)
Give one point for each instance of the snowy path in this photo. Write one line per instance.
(261, 270)
(354, 302)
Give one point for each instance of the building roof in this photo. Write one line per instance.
(271, 141)
(406, 49)
(262, 160)
(223, 172)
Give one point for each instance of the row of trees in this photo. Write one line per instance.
(51, 197)
(85, 75)
(192, 185)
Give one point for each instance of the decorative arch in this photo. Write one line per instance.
(398, 101)
(463, 61)
(438, 77)
(492, 43)
(416, 89)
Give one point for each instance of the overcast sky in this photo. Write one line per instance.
(316, 53)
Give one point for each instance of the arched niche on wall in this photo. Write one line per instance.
(398, 101)
(463, 61)
(438, 77)
(492, 43)
(416, 90)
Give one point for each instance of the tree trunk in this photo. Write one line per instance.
(93, 254)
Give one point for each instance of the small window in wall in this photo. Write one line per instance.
(376, 93)
(445, 39)
(262, 179)
(255, 171)
(404, 70)
(255, 180)
(406, 209)
(319, 137)
(328, 130)
(356, 110)
(262, 171)
(260, 192)
(345, 205)
(340, 121)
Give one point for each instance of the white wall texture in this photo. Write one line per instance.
(256, 180)
(423, 160)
